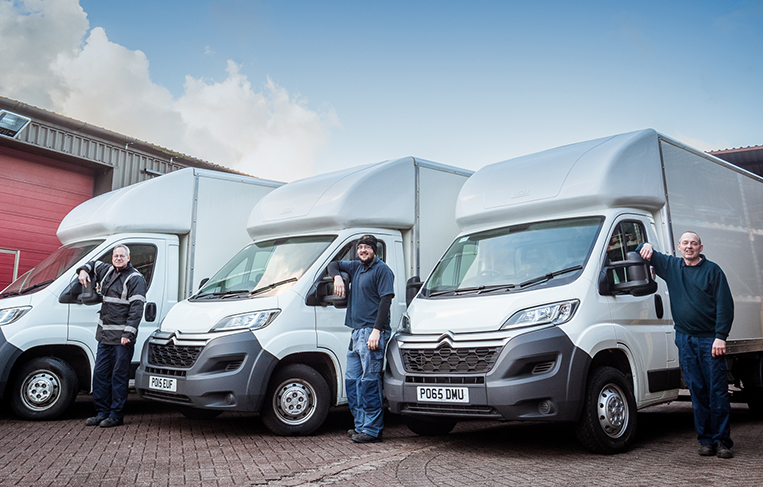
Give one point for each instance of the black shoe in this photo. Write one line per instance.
(722, 451)
(111, 422)
(95, 420)
(366, 438)
(351, 432)
(707, 450)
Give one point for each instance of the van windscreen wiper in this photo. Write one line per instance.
(271, 286)
(36, 286)
(549, 276)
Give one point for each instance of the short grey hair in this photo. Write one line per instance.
(127, 250)
(699, 239)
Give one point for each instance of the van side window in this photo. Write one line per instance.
(350, 252)
(627, 236)
(142, 257)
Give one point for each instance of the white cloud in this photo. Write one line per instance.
(268, 133)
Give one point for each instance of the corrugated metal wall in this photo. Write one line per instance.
(128, 165)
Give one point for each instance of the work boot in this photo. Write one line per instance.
(707, 450)
(111, 422)
(351, 432)
(722, 451)
(366, 438)
(95, 420)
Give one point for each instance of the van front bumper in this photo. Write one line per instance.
(539, 375)
(223, 372)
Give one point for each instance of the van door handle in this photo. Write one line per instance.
(658, 307)
(150, 313)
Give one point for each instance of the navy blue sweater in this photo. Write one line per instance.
(700, 298)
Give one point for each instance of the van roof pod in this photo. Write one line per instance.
(621, 170)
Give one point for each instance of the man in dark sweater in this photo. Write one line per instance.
(368, 308)
(703, 310)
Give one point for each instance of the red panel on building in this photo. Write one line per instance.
(35, 195)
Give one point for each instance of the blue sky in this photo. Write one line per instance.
(457, 82)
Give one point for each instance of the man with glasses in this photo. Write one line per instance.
(124, 294)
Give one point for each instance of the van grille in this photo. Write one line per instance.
(450, 360)
(452, 410)
(172, 355)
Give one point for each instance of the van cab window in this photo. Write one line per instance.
(142, 257)
(625, 238)
(350, 252)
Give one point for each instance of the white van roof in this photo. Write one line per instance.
(160, 205)
(378, 195)
(621, 170)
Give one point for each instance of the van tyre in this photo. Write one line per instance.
(608, 422)
(43, 389)
(297, 401)
(427, 426)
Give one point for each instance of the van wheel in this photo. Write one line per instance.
(196, 413)
(297, 401)
(43, 388)
(608, 422)
(427, 426)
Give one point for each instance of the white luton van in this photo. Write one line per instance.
(180, 228)
(265, 334)
(541, 310)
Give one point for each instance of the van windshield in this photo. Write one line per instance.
(50, 269)
(515, 258)
(265, 268)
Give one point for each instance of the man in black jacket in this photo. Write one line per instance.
(124, 294)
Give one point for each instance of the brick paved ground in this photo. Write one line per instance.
(160, 447)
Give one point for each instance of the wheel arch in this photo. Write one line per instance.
(73, 355)
(321, 362)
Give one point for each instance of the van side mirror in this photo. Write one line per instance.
(150, 312)
(203, 281)
(322, 292)
(90, 294)
(70, 294)
(412, 288)
(631, 276)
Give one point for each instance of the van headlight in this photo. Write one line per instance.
(244, 321)
(405, 324)
(553, 314)
(9, 315)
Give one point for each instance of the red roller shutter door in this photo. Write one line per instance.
(35, 195)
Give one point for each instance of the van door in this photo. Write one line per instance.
(149, 257)
(331, 333)
(641, 321)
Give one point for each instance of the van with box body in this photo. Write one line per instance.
(266, 334)
(542, 310)
(180, 228)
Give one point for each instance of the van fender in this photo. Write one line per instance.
(596, 338)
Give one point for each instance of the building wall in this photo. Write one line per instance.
(35, 195)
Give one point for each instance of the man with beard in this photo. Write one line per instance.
(369, 301)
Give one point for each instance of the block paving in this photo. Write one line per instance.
(158, 446)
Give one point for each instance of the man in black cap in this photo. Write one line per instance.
(368, 308)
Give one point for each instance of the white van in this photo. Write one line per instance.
(180, 228)
(541, 310)
(266, 334)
